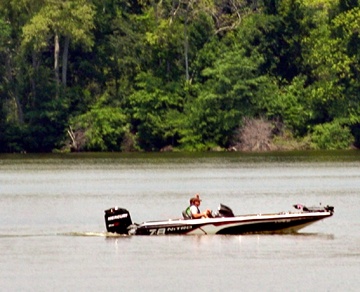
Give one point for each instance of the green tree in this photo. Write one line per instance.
(11, 83)
(104, 127)
(289, 105)
(232, 88)
(332, 54)
(67, 20)
(277, 34)
(154, 110)
(120, 47)
(331, 136)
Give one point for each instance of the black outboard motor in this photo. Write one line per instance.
(225, 211)
(117, 220)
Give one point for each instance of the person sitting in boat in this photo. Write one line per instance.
(193, 210)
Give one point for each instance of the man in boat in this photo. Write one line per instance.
(193, 210)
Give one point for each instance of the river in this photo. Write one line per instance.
(52, 231)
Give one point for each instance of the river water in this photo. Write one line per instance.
(52, 228)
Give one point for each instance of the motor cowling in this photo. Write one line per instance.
(117, 220)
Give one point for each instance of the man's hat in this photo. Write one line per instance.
(195, 198)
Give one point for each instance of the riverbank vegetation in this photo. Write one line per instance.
(186, 75)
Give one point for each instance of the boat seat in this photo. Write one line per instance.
(186, 215)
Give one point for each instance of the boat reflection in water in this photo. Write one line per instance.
(118, 220)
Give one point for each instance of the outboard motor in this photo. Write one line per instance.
(225, 211)
(117, 220)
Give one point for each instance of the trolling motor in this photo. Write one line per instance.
(117, 220)
(326, 208)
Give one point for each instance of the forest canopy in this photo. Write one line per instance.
(186, 75)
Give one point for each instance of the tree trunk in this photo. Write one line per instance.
(19, 110)
(13, 92)
(33, 77)
(56, 65)
(65, 61)
(186, 48)
(186, 45)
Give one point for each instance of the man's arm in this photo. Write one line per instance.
(196, 215)
(199, 215)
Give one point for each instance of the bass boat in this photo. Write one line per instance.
(118, 220)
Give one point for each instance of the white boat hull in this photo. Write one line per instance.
(119, 221)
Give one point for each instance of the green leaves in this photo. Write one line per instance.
(5, 33)
(104, 128)
(72, 18)
(331, 136)
(290, 104)
(180, 74)
(154, 112)
(231, 91)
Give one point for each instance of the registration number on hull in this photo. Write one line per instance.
(167, 230)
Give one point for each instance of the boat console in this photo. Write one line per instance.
(224, 211)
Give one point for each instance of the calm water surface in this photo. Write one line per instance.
(52, 230)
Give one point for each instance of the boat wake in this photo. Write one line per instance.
(91, 234)
(26, 235)
(76, 233)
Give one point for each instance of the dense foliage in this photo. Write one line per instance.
(118, 75)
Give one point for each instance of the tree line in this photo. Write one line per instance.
(192, 75)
